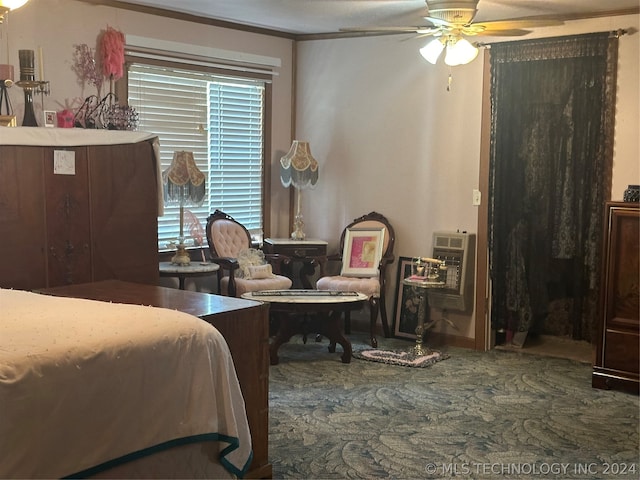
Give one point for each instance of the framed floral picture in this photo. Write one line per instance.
(407, 302)
(50, 118)
(362, 252)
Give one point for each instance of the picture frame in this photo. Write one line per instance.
(8, 121)
(406, 303)
(50, 118)
(362, 252)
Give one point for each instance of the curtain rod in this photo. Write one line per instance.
(618, 33)
(612, 34)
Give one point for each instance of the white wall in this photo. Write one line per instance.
(390, 137)
(58, 25)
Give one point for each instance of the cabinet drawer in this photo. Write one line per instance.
(621, 351)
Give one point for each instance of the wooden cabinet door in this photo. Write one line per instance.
(618, 357)
(621, 306)
(96, 219)
(22, 226)
(67, 217)
(124, 212)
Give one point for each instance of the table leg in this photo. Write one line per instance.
(335, 336)
(306, 271)
(181, 282)
(285, 332)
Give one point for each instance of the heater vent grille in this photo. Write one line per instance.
(457, 250)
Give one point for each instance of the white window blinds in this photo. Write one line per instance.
(220, 120)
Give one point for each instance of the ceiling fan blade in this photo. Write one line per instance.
(425, 32)
(518, 23)
(438, 22)
(382, 29)
(504, 33)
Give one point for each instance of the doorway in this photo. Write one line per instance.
(546, 170)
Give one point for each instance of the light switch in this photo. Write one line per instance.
(477, 198)
(64, 162)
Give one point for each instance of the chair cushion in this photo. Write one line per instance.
(368, 286)
(244, 285)
(228, 238)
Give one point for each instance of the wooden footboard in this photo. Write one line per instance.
(244, 325)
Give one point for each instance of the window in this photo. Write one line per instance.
(218, 118)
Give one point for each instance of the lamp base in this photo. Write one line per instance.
(298, 224)
(181, 257)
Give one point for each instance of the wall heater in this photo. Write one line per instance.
(457, 250)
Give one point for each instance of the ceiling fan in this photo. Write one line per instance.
(452, 20)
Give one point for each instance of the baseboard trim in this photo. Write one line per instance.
(437, 339)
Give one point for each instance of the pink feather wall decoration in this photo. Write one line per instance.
(112, 51)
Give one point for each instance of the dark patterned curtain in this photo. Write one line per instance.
(552, 107)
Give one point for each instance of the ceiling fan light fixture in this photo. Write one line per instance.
(432, 50)
(460, 52)
(453, 11)
(7, 5)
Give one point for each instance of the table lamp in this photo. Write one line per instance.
(183, 183)
(300, 169)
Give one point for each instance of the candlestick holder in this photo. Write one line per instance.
(4, 96)
(30, 86)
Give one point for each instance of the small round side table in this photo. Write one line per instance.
(195, 269)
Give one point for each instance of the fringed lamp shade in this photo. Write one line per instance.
(300, 169)
(183, 183)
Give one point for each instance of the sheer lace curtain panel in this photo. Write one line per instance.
(552, 117)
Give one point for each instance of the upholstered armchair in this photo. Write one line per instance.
(373, 286)
(242, 268)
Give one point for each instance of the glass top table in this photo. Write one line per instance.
(326, 305)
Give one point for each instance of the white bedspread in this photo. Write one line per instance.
(83, 382)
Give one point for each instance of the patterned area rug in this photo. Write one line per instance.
(404, 358)
(492, 415)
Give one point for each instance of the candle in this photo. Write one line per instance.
(40, 64)
(26, 65)
(6, 73)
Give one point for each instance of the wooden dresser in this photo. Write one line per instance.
(77, 206)
(617, 359)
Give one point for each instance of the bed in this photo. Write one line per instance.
(91, 388)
